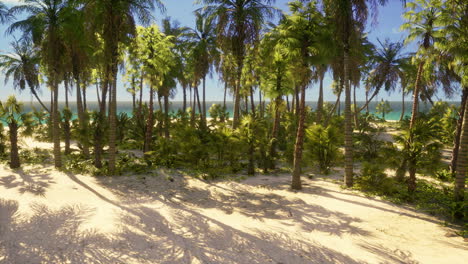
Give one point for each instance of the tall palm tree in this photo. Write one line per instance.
(422, 25)
(23, 66)
(44, 25)
(238, 24)
(203, 50)
(305, 35)
(116, 20)
(348, 19)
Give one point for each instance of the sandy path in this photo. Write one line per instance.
(48, 216)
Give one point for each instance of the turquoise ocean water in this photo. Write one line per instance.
(127, 107)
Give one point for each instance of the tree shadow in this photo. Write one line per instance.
(27, 182)
(51, 236)
(387, 255)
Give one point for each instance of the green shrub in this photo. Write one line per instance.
(321, 146)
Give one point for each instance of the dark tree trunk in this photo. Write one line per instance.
(298, 106)
(320, 100)
(150, 123)
(184, 105)
(417, 88)
(274, 132)
(252, 102)
(204, 100)
(287, 104)
(113, 121)
(33, 92)
(348, 125)
(167, 121)
(456, 140)
(462, 160)
(402, 106)
(56, 128)
(14, 155)
(296, 177)
(81, 119)
(412, 176)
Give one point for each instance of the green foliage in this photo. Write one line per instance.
(36, 156)
(321, 146)
(383, 108)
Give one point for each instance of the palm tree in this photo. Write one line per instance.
(238, 25)
(203, 51)
(44, 25)
(11, 112)
(422, 24)
(348, 19)
(387, 67)
(23, 66)
(305, 35)
(115, 20)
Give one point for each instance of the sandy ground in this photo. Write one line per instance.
(47, 216)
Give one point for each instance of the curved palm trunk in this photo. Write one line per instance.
(14, 155)
(296, 177)
(417, 88)
(348, 178)
(462, 161)
(150, 123)
(33, 91)
(456, 140)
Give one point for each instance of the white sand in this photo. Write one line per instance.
(66, 218)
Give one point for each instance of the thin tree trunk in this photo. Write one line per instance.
(113, 122)
(33, 91)
(66, 122)
(85, 104)
(462, 160)
(252, 101)
(14, 155)
(287, 103)
(402, 106)
(140, 104)
(224, 102)
(167, 121)
(261, 103)
(66, 93)
(98, 96)
(297, 111)
(356, 113)
(192, 105)
(204, 100)
(184, 105)
(296, 177)
(456, 140)
(367, 105)
(150, 123)
(56, 127)
(320, 100)
(417, 87)
(348, 125)
(274, 132)
(81, 119)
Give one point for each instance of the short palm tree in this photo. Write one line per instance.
(23, 66)
(11, 112)
(238, 25)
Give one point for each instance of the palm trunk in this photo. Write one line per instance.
(348, 125)
(184, 105)
(296, 177)
(66, 93)
(417, 88)
(298, 106)
(56, 127)
(66, 122)
(33, 91)
(167, 121)
(204, 100)
(462, 160)
(356, 113)
(456, 140)
(98, 96)
(113, 121)
(412, 176)
(402, 106)
(252, 102)
(150, 123)
(274, 132)
(192, 105)
(14, 155)
(320, 100)
(235, 120)
(140, 103)
(81, 119)
(287, 104)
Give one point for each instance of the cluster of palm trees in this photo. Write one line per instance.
(83, 43)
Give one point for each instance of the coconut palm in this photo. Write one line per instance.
(11, 112)
(44, 25)
(238, 24)
(422, 25)
(23, 66)
(203, 50)
(116, 20)
(348, 19)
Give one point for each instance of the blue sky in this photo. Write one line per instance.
(388, 23)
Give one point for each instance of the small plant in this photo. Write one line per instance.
(322, 146)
